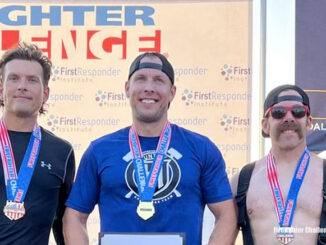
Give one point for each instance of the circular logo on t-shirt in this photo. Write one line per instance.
(168, 178)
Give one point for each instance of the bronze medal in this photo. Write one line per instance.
(145, 210)
(14, 210)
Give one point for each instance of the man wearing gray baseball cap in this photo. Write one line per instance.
(279, 197)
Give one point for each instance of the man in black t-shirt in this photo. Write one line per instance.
(37, 168)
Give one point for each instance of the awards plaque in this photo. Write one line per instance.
(107, 238)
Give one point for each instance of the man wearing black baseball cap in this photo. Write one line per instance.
(279, 197)
(153, 176)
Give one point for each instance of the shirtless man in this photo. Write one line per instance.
(286, 121)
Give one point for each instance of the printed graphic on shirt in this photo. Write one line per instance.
(168, 179)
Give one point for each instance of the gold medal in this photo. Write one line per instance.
(14, 210)
(145, 210)
(283, 236)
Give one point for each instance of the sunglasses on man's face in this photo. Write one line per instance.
(278, 112)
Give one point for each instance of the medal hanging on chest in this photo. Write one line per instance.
(145, 210)
(147, 183)
(284, 236)
(14, 210)
(285, 210)
(17, 185)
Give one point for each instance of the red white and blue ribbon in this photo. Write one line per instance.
(17, 185)
(285, 210)
(147, 184)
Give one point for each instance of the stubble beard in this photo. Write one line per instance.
(150, 117)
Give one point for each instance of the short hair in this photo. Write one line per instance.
(29, 52)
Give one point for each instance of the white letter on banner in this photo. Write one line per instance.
(96, 45)
(64, 38)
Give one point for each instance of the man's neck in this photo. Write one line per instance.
(289, 157)
(20, 124)
(153, 129)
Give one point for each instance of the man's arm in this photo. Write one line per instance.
(63, 195)
(74, 227)
(234, 183)
(225, 230)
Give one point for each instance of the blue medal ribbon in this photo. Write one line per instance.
(17, 186)
(285, 212)
(147, 184)
(296, 183)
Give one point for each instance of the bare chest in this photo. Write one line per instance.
(260, 202)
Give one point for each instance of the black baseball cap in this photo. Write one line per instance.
(274, 98)
(166, 67)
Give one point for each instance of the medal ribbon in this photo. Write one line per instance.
(17, 186)
(147, 184)
(285, 212)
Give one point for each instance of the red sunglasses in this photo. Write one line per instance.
(278, 112)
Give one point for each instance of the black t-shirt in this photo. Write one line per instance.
(48, 190)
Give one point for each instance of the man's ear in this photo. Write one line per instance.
(127, 89)
(1, 89)
(265, 126)
(308, 124)
(173, 92)
(46, 94)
